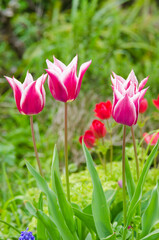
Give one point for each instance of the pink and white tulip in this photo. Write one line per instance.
(30, 95)
(127, 98)
(63, 82)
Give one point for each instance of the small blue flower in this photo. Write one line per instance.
(25, 235)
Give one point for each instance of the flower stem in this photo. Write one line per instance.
(123, 178)
(66, 156)
(135, 151)
(111, 146)
(35, 148)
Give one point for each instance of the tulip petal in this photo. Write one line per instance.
(56, 86)
(17, 90)
(31, 101)
(124, 111)
(82, 71)
(143, 83)
(117, 77)
(28, 80)
(70, 80)
(53, 67)
(59, 64)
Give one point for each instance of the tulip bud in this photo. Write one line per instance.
(151, 138)
(127, 98)
(143, 105)
(156, 102)
(103, 110)
(29, 96)
(88, 138)
(63, 82)
(98, 129)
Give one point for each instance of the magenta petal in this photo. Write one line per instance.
(59, 64)
(117, 77)
(17, 90)
(125, 112)
(82, 71)
(69, 79)
(143, 83)
(56, 86)
(31, 101)
(28, 80)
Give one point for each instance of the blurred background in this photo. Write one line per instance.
(117, 35)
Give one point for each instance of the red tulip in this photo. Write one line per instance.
(29, 96)
(143, 105)
(156, 102)
(98, 129)
(103, 110)
(153, 138)
(88, 138)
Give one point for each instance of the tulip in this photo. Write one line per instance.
(103, 110)
(156, 102)
(30, 100)
(151, 138)
(29, 96)
(63, 82)
(143, 105)
(127, 98)
(98, 129)
(88, 138)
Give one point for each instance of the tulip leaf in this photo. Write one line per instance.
(130, 184)
(87, 219)
(54, 167)
(65, 206)
(152, 236)
(100, 208)
(151, 214)
(53, 206)
(138, 192)
(40, 226)
(46, 221)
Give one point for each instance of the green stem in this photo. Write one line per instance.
(135, 152)
(124, 180)
(35, 148)
(66, 156)
(9, 225)
(111, 146)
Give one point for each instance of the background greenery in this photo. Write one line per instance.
(116, 35)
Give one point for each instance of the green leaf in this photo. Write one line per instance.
(87, 219)
(130, 184)
(110, 196)
(54, 167)
(138, 192)
(151, 214)
(100, 208)
(47, 221)
(40, 226)
(53, 206)
(152, 236)
(65, 206)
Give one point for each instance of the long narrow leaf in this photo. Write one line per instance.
(152, 236)
(65, 206)
(100, 208)
(151, 215)
(54, 167)
(52, 205)
(138, 192)
(47, 222)
(40, 226)
(129, 179)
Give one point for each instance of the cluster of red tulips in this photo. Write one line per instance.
(97, 130)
